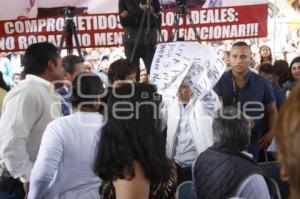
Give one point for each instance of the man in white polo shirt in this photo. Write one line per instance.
(26, 112)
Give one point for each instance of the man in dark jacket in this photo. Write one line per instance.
(225, 170)
(131, 14)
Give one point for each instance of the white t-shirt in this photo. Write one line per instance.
(64, 166)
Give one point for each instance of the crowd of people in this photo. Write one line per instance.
(67, 132)
(95, 126)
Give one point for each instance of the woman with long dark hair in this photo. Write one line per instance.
(131, 157)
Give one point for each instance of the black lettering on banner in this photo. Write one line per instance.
(108, 38)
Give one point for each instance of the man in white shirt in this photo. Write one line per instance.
(189, 128)
(63, 168)
(27, 110)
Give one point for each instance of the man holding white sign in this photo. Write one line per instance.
(189, 128)
(185, 81)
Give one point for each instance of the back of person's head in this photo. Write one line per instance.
(231, 130)
(120, 70)
(86, 91)
(70, 61)
(105, 57)
(132, 133)
(281, 71)
(37, 57)
(288, 138)
(266, 68)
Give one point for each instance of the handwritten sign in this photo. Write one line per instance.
(169, 67)
(191, 62)
(206, 69)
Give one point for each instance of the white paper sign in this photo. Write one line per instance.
(169, 67)
(196, 64)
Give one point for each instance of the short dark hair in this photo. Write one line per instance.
(240, 43)
(37, 57)
(70, 61)
(295, 60)
(266, 68)
(87, 84)
(124, 141)
(231, 130)
(105, 57)
(120, 69)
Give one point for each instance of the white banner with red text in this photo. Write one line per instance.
(100, 25)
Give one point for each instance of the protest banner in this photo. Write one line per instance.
(100, 26)
(197, 65)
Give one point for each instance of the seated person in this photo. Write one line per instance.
(225, 170)
(119, 72)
